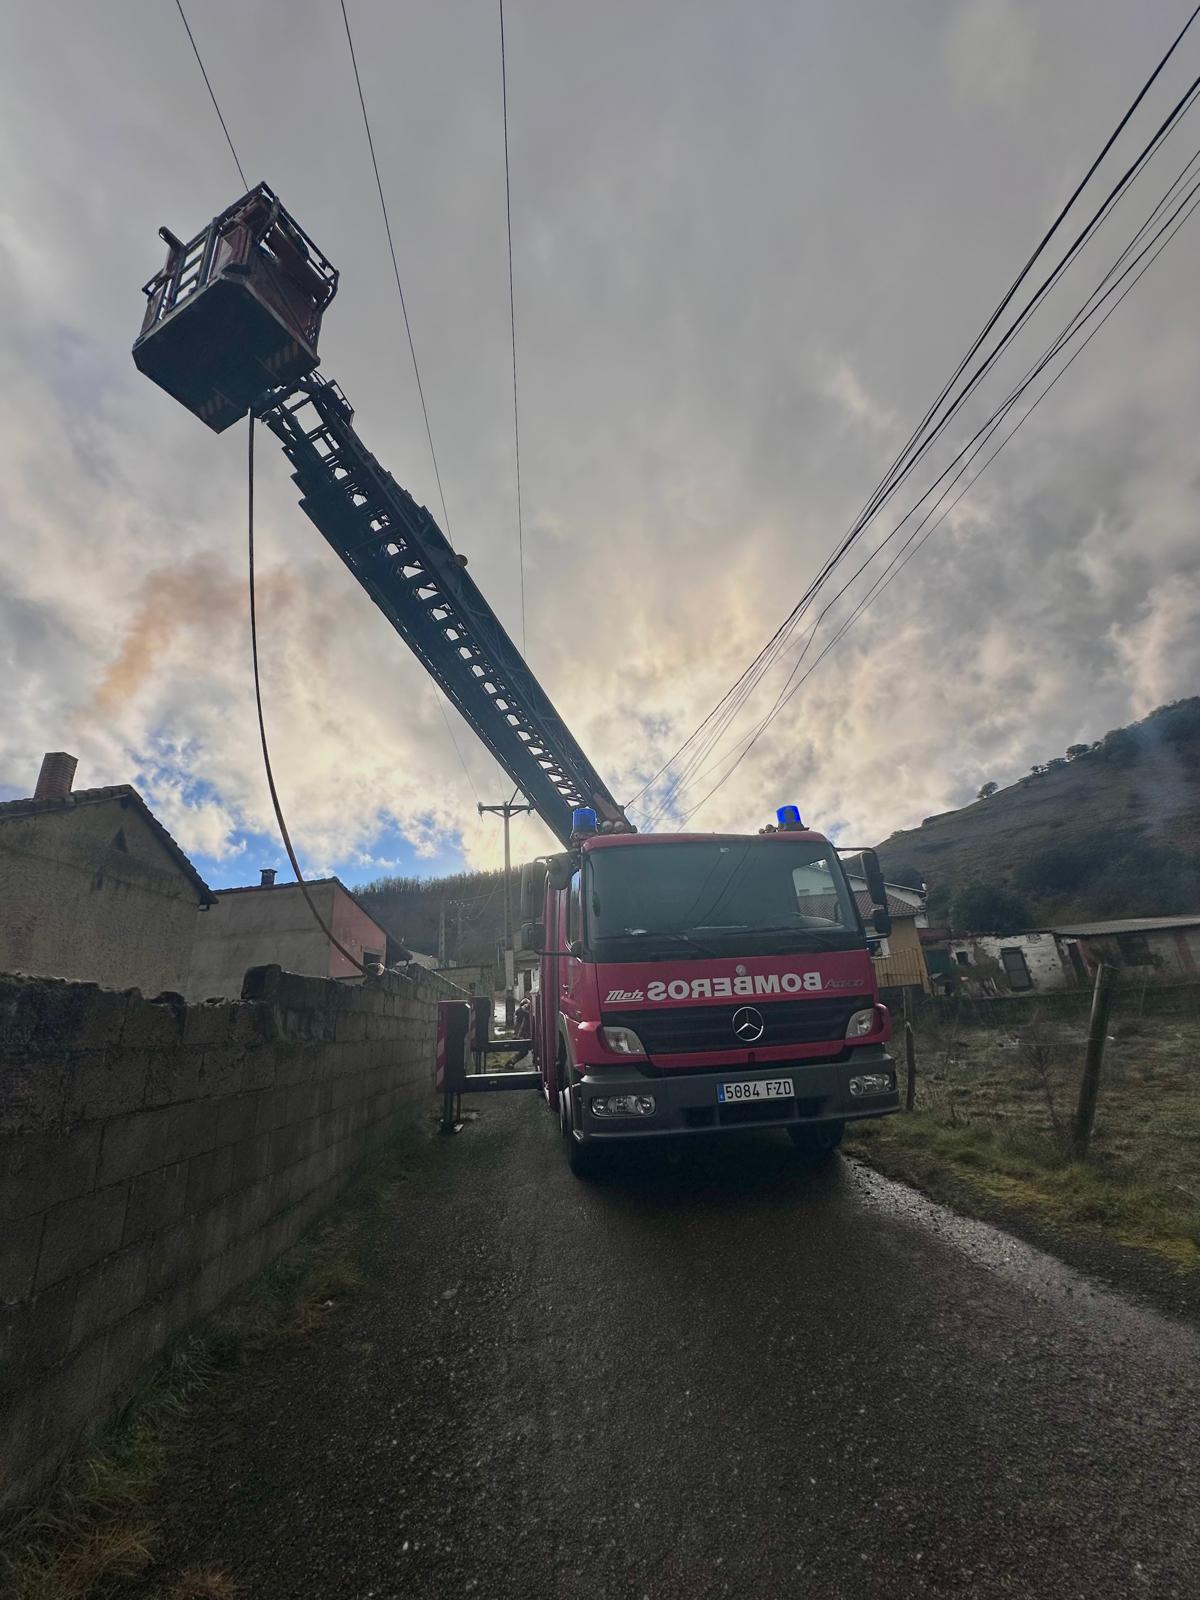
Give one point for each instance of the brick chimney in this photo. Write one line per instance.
(57, 775)
(266, 877)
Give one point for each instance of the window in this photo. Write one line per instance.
(1134, 949)
(1016, 968)
(963, 957)
(717, 897)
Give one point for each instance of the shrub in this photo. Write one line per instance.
(990, 908)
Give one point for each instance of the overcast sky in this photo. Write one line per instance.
(750, 242)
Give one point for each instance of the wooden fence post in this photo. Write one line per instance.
(910, 1061)
(1089, 1088)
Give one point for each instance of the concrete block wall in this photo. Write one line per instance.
(155, 1156)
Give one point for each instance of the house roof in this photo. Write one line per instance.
(897, 907)
(912, 900)
(125, 794)
(1083, 930)
(311, 883)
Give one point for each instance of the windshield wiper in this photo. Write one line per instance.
(666, 933)
(753, 928)
(806, 933)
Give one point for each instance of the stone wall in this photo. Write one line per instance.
(155, 1156)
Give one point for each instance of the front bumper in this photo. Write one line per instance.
(686, 1102)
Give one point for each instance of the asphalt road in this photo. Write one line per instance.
(730, 1377)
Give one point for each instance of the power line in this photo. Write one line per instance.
(262, 726)
(450, 730)
(913, 544)
(728, 709)
(711, 729)
(253, 617)
(972, 448)
(387, 226)
(512, 317)
(396, 270)
(211, 95)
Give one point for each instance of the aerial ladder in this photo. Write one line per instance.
(231, 328)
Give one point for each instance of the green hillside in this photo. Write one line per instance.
(411, 909)
(1113, 831)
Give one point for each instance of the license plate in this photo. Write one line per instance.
(760, 1089)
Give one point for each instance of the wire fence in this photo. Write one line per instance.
(999, 1082)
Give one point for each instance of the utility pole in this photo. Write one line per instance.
(442, 935)
(1089, 1088)
(508, 810)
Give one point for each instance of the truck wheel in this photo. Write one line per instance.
(581, 1158)
(818, 1141)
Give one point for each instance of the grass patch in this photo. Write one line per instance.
(93, 1528)
(991, 1126)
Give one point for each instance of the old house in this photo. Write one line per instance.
(93, 887)
(900, 963)
(1161, 949)
(1042, 960)
(991, 964)
(270, 923)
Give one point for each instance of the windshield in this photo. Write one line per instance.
(717, 897)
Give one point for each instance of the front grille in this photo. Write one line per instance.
(678, 1029)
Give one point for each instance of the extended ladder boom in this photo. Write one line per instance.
(231, 325)
(406, 564)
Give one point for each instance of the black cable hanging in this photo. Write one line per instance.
(262, 726)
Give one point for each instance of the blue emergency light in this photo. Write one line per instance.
(789, 817)
(583, 820)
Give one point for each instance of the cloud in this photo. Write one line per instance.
(1160, 649)
(748, 248)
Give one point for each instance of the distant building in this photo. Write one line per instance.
(1166, 949)
(900, 963)
(991, 964)
(270, 922)
(1042, 960)
(93, 887)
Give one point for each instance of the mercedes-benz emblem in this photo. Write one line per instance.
(748, 1024)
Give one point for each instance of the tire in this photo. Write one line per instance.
(581, 1158)
(818, 1141)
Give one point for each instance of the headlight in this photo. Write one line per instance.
(623, 1105)
(622, 1041)
(872, 1083)
(862, 1022)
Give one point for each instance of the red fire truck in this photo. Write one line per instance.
(701, 983)
(689, 983)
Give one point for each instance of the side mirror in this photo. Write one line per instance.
(881, 917)
(533, 935)
(533, 882)
(558, 870)
(575, 948)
